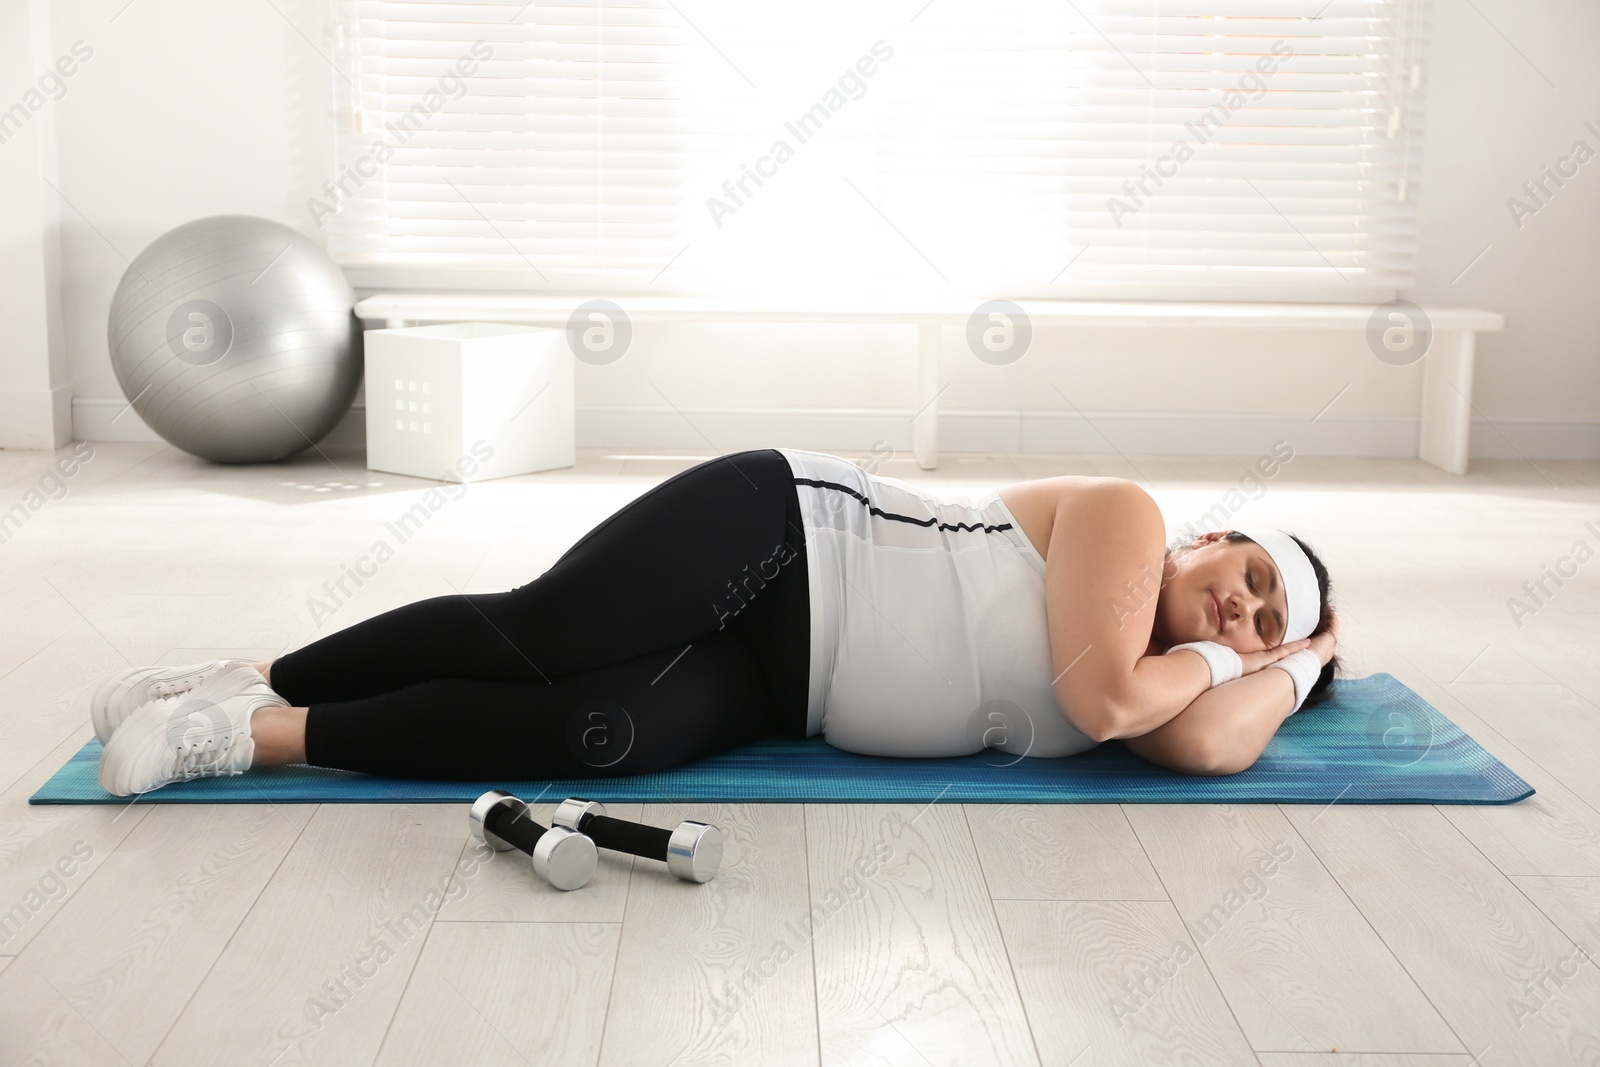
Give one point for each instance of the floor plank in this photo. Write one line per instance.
(1362, 1059)
(1061, 852)
(718, 972)
(1117, 982)
(143, 627)
(1298, 963)
(118, 962)
(36, 616)
(1551, 723)
(910, 962)
(1464, 932)
(1573, 904)
(49, 852)
(469, 999)
(1552, 832)
(314, 972)
(50, 696)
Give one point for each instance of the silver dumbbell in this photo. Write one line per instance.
(561, 856)
(692, 851)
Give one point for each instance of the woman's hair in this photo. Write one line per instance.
(1319, 691)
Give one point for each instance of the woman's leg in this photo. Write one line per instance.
(675, 564)
(653, 711)
(279, 734)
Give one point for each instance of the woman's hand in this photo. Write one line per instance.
(1323, 645)
(1259, 661)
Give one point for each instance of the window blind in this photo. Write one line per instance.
(1122, 148)
(543, 139)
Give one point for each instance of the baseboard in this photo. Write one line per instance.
(848, 432)
(104, 419)
(36, 418)
(1502, 438)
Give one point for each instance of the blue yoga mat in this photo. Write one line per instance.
(1374, 742)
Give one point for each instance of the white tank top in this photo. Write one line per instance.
(928, 628)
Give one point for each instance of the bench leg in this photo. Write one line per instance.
(925, 423)
(1446, 410)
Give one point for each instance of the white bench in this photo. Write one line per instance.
(1447, 370)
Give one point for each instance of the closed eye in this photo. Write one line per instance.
(1250, 584)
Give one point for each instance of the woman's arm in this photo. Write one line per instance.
(1102, 578)
(1102, 583)
(1223, 730)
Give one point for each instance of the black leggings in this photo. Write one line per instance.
(678, 627)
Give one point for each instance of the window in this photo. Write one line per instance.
(1253, 149)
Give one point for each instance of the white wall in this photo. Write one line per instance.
(190, 108)
(35, 392)
(1507, 98)
(187, 109)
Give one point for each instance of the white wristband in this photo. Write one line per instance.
(1224, 662)
(1304, 667)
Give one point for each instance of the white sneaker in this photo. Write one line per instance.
(204, 733)
(122, 692)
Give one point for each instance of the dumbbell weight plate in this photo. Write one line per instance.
(479, 815)
(561, 856)
(564, 858)
(695, 851)
(570, 812)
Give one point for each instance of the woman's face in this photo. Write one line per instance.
(1227, 592)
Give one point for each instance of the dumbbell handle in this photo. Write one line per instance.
(692, 851)
(620, 835)
(514, 829)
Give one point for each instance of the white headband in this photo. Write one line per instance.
(1300, 593)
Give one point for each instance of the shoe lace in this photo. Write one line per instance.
(195, 759)
(167, 687)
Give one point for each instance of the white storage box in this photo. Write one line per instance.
(468, 400)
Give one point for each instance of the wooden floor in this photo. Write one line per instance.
(253, 934)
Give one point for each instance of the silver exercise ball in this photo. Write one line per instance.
(235, 339)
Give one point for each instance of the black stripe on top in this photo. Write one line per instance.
(964, 526)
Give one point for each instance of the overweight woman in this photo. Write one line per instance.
(783, 592)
